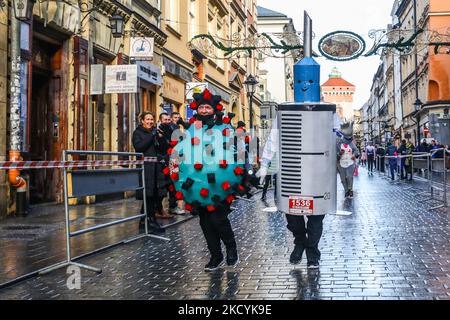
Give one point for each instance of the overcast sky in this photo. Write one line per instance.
(359, 16)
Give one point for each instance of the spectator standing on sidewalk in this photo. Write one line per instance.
(165, 130)
(370, 152)
(391, 151)
(380, 153)
(174, 204)
(363, 157)
(402, 151)
(145, 140)
(408, 161)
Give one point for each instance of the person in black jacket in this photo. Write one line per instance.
(145, 140)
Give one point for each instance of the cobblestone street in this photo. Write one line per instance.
(391, 247)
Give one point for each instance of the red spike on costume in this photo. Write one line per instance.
(239, 130)
(204, 192)
(207, 94)
(219, 107)
(173, 143)
(198, 124)
(191, 120)
(226, 185)
(226, 132)
(210, 208)
(223, 163)
(193, 105)
(241, 187)
(195, 141)
(229, 198)
(179, 195)
(169, 151)
(188, 207)
(198, 166)
(226, 120)
(238, 171)
(174, 176)
(166, 170)
(247, 139)
(171, 188)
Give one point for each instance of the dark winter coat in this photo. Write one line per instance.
(147, 142)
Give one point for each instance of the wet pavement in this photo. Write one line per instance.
(391, 247)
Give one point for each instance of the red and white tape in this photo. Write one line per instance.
(70, 164)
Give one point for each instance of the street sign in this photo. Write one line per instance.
(141, 48)
(121, 78)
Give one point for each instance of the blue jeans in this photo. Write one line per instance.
(392, 165)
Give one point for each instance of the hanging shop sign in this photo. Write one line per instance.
(149, 72)
(194, 87)
(341, 46)
(121, 79)
(141, 48)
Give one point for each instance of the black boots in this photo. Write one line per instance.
(296, 255)
(232, 257)
(214, 263)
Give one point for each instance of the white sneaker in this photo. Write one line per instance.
(178, 210)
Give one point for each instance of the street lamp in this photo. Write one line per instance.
(417, 107)
(250, 86)
(23, 9)
(117, 25)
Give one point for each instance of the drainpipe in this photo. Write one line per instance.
(15, 179)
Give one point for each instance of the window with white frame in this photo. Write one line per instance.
(173, 14)
(193, 30)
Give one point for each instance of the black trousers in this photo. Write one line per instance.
(307, 236)
(266, 185)
(370, 160)
(216, 227)
(152, 203)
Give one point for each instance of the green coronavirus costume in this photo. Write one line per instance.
(208, 159)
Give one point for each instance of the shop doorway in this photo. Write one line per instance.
(45, 121)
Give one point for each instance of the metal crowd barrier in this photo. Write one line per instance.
(430, 164)
(91, 182)
(97, 182)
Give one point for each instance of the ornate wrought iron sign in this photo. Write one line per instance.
(341, 46)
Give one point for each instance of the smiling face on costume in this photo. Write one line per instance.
(205, 110)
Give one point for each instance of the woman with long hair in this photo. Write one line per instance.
(145, 140)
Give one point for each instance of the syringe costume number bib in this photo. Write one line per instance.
(207, 164)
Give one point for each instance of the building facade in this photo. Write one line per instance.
(64, 51)
(66, 48)
(417, 94)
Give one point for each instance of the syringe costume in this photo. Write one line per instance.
(207, 168)
(346, 154)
